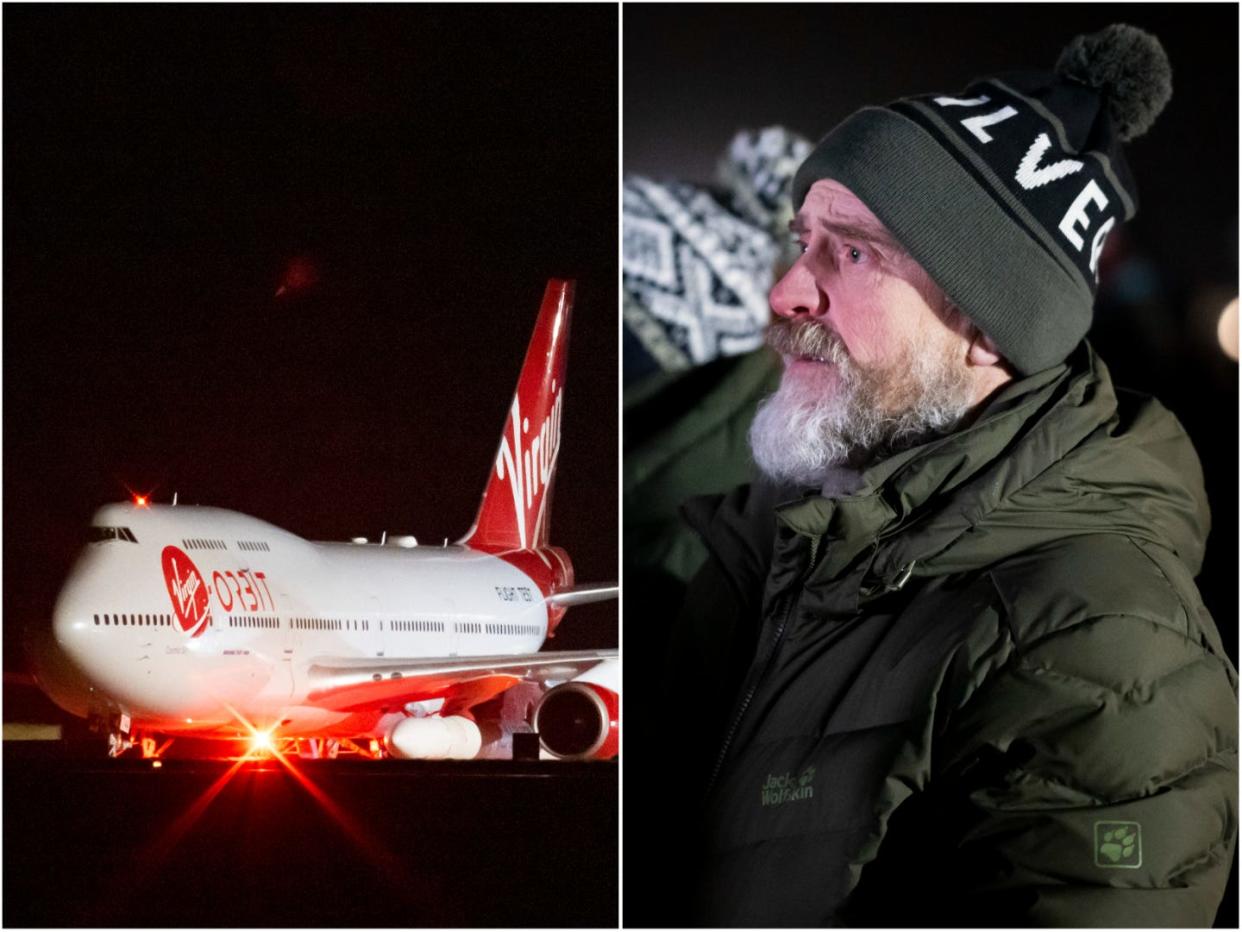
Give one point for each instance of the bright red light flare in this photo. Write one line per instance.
(140, 499)
(157, 852)
(261, 742)
(374, 852)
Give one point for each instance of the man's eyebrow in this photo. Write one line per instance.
(872, 234)
(857, 231)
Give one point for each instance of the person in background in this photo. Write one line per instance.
(697, 266)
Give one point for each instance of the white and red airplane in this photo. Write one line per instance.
(198, 621)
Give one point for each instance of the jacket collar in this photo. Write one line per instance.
(1057, 454)
(915, 504)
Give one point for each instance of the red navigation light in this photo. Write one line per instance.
(140, 501)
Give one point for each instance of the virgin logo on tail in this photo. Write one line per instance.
(514, 512)
(529, 470)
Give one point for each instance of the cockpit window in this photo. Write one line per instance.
(96, 534)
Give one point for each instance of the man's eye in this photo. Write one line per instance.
(854, 254)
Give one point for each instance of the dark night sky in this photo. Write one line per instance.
(694, 75)
(162, 167)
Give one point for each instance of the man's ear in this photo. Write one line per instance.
(983, 352)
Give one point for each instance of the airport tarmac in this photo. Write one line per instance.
(336, 843)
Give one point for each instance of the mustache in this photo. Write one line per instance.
(806, 338)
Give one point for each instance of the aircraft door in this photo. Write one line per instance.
(452, 626)
(288, 646)
(379, 627)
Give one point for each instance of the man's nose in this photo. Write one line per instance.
(798, 293)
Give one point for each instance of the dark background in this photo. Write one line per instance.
(379, 843)
(411, 175)
(696, 75)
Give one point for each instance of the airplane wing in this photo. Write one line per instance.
(349, 685)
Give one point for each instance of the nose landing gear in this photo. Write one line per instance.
(118, 743)
(122, 739)
(116, 730)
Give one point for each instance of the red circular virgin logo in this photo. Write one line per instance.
(187, 591)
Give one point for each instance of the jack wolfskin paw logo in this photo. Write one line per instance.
(1118, 844)
(806, 777)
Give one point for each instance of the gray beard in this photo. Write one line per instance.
(800, 436)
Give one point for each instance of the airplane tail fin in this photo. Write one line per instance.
(514, 512)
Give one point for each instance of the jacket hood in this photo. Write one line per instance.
(1057, 454)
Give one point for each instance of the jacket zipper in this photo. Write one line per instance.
(791, 600)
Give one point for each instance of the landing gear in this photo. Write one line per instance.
(332, 748)
(148, 746)
(374, 750)
(118, 743)
(318, 748)
(116, 730)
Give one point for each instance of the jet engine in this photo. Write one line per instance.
(577, 720)
(434, 738)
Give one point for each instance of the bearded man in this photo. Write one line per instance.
(962, 676)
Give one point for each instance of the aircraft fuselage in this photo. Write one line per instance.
(179, 616)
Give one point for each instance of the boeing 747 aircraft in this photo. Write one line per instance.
(181, 620)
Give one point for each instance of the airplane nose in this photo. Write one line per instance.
(60, 654)
(72, 623)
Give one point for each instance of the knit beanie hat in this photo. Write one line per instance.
(1005, 192)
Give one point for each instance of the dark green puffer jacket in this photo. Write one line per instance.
(981, 691)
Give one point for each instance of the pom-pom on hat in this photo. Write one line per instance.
(1006, 191)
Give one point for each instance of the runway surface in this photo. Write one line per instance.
(338, 843)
